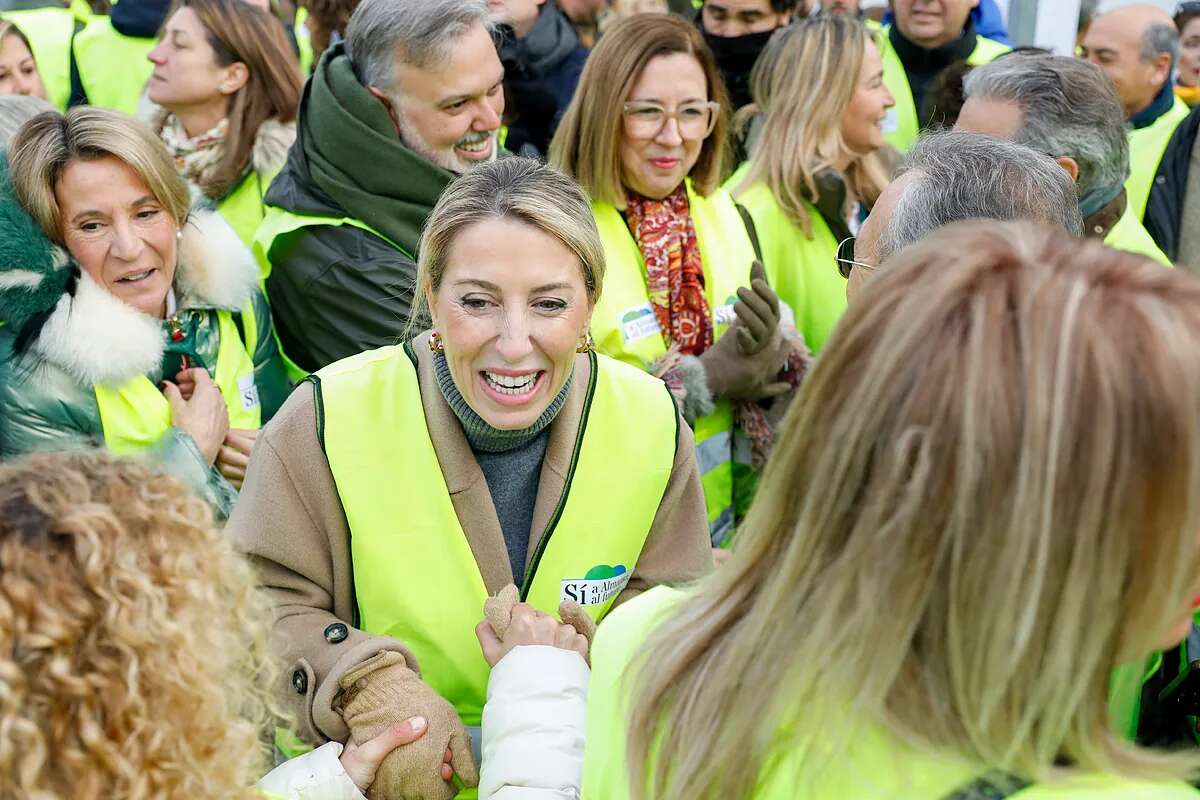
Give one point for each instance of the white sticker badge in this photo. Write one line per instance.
(724, 315)
(638, 323)
(248, 391)
(601, 584)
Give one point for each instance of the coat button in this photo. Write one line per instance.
(337, 632)
(300, 681)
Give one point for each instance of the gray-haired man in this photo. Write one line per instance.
(1137, 46)
(411, 98)
(956, 176)
(1069, 110)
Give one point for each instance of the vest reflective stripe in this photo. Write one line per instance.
(802, 271)
(902, 126)
(113, 67)
(624, 326)
(243, 208)
(399, 510)
(136, 415)
(1146, 149)
(279, 222)
(1130, 235)
(49, 31)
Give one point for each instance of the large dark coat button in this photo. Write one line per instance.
(300, 681)
(337, 632)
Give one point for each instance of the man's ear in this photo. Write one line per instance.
(1070, 166)
(236, 76)
(387, 103)
(1162, 68)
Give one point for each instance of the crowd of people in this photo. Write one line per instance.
(546, 399)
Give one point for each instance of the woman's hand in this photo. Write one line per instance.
(234, 455)
(361, 761)
(529, 627)
(203, 416)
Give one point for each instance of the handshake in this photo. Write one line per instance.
(406, 741)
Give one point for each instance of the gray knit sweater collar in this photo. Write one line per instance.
(480, 435)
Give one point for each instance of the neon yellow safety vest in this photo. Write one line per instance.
(243, 208)
(624, 325)
(876, 764)
(1130, 235)
(303, 41)
(801, 270)
(399, 511)
(902, 126)
(280, 222)
(1146, 149)
(113, 67)
(49, 31)
(135, 416)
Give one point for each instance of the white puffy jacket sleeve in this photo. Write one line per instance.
(317, 775)
(533, 725)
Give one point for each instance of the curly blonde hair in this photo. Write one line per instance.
(134, 657)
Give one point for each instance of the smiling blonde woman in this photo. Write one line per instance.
(131, 321)
(399, 488)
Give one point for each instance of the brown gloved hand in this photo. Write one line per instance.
(383, 691)
(498, 610)
(745, 363)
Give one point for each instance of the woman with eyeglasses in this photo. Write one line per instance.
(645, 136)
(819, 160)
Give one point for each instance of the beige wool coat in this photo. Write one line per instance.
(290, 522)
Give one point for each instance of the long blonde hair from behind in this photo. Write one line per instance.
(133, 642)
(996, 458)
(803, 83)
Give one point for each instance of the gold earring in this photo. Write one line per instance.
(585, 343)
(435, 343)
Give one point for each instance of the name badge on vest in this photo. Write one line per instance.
(601, 584)
(248, 391)
(724, 315)
(638, 323)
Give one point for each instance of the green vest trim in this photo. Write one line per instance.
(1146, 149)
(277, 222)
(135, 415)
(49, 31)
(113, 68)
(400, 513)
(624, 326)
(902, 126)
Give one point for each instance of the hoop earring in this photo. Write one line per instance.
(435, 343)
(586, 345)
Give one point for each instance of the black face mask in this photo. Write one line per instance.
(735, 57)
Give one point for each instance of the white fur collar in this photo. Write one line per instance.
(98, 339)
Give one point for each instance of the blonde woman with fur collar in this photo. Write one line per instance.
(126, 320)
(227, 86)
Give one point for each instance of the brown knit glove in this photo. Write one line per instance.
(383, 691)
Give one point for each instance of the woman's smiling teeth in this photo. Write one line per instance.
(511, 384)
(134, 277)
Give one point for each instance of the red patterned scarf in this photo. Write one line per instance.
(666, 235)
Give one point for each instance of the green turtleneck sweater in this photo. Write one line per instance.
(511, 461)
